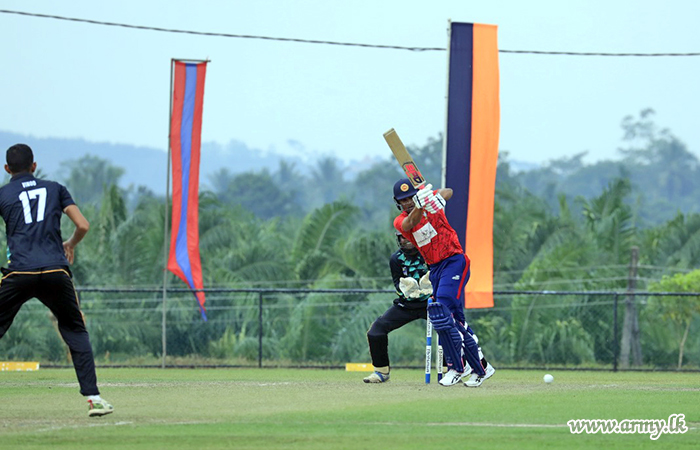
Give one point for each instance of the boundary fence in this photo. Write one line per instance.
(325, 328)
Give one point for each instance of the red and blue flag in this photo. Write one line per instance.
(471, 150)
(185, 143)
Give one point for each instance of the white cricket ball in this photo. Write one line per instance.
(548, 378)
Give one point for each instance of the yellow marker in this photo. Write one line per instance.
(18, 366)
(359, 367)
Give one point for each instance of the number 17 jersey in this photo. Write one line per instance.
(32, 209)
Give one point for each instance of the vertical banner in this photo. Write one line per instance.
(471, 149)
(185, 140)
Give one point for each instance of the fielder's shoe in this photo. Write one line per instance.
(376, 377)
(476, 380)
(451, 378)
(99, 408)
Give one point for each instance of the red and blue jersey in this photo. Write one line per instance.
(433, 236)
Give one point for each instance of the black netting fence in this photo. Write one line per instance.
(326, 328)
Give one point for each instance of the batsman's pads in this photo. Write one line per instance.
(450, 337)
(476, 339)
(409, 287)
(470, 331)
(426, 287)
(471, 349)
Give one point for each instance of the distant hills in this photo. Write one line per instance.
(144, 166)
(147, 166)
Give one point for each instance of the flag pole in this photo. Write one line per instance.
(165, 228)
(443, 174)
(443, 168)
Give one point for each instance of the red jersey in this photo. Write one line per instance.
(434, 238)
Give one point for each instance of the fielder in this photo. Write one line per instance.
(413, 289)
(423, 222)
(38, 262)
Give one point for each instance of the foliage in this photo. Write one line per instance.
(255, 192)
(664, 175)
(567, 227)
(678, 311)
(88, 177)
(675, 244)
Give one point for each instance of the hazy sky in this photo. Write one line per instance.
(107, 84)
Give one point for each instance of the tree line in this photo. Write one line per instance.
(565, 227)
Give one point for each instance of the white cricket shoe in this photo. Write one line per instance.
(376, 377)
(476, 380)
(451, 378)
(99, 407)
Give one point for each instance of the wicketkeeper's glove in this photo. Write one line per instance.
(426, 287)
(409, 287)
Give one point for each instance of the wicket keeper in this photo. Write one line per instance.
(408, 272)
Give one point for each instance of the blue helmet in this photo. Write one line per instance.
(404, 189)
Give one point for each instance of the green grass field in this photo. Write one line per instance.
(332, 409)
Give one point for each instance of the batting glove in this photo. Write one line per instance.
(424, 196)
(435, 204)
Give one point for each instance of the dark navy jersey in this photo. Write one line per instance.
(32, 210)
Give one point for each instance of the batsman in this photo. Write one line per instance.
(423, 222)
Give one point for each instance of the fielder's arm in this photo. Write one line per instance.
(81, 228)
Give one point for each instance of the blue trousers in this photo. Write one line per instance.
(448, 278)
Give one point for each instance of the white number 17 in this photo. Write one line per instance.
(25, 196)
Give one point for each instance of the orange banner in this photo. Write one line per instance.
(482, 179)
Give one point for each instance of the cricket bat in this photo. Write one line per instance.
(404, 158)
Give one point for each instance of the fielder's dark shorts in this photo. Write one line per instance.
(54, 288)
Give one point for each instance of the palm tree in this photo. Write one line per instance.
(87, 177)
(316, 244)
(676, 244)
(327, 181)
